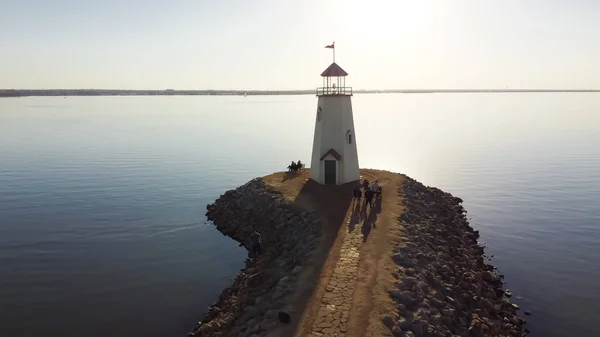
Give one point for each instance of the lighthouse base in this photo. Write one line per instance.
(334, 158)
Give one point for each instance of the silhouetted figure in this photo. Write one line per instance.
(357, 194)
(255, 243)
(299, 165)
(368, 197)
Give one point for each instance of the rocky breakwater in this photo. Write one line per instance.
(444, 287)
(256, 301)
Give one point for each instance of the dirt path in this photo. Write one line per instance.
(349, 295)
(333, 205)
(371, 301)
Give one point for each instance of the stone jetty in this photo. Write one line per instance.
(253, 303)
(444, 287)
(410, 265)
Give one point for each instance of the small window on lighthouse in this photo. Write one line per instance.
(349, 138)
(319, 114)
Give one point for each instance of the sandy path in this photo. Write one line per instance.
(350, 297)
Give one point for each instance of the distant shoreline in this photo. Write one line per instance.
(171, 92)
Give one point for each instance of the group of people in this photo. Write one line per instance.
(293, 167)
(369, 191)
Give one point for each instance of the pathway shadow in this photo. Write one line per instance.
(363, 212)
(332, 203)
(369, 224)
(355, 217)
(377, 204)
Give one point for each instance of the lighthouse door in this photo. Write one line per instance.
(330, 172)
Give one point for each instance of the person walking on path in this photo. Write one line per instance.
(375, 188)
(369, 197)
(357, 194)
(365, 187)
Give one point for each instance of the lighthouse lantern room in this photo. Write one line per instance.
(334, 155)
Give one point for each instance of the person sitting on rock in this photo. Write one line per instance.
(255, 243)
(299, 165)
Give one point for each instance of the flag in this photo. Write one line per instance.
(332, 46)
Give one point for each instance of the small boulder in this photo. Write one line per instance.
(388, 322)
(404, 323)
(284, 317)
(404, 297)
(419, 327)
(408, 334)
(448, 312)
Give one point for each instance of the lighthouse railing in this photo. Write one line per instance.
(326, 91)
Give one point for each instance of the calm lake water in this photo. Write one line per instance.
(102, 199)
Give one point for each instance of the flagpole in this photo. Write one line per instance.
(333, 51)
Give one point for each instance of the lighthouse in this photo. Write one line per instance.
(334, 156)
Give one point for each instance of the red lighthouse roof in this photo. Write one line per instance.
(334, 71)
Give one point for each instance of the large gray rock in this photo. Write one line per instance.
(403, 297)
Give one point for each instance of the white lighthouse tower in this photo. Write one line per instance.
(334, 155)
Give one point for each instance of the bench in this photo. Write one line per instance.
(296, 168)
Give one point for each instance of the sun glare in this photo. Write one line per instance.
(384, 20)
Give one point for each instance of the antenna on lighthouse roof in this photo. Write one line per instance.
(332, 46)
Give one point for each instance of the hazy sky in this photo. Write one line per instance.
(268, 44)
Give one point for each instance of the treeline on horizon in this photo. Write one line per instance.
(121, 92)
(172, 92)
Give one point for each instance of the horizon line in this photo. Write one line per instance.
(258, 90)
(14, 93)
